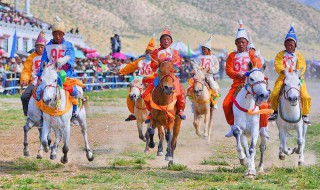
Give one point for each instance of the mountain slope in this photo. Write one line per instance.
(190, 21)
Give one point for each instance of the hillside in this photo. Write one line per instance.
(312, 3)
(193, 21)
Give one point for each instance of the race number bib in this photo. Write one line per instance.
(165, 54)
(205, 63)
(288, 61)
(55, 51)
(35, 64)
(144, 68)
(241, 61)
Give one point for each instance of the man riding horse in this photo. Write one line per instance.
(29, 72)
(143, 65)
(287, 58)
(61, 51)
(236, 67)
(165, 53)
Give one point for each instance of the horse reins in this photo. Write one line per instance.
(140, 93)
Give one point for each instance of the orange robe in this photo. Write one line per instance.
(233, 67)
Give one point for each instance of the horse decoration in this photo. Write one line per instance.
(246, 117)
(290, 115)
(57, 112)
(203, 101)
(34, 119)
(164, 110)
(140, 110)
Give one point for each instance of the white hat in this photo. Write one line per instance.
(58, 25)
(241, 33)
(251, 45)
(207, 44)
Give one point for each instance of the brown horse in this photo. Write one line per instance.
(164, 109)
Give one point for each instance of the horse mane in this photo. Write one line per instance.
(166, 68)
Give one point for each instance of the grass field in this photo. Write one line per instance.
(130, 169)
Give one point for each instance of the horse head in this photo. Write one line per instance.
(166, 74)
(199, 81)
(256, 84)
(136, 88)
(291, 86)
(49, 84)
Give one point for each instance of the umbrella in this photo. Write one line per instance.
(91, 55)
(79, 54)
(128, 55)
(119, 55)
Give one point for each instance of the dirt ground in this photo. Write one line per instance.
(110, 136)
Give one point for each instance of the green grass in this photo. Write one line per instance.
(106, 95)
(177, 167)
(10, 117)
(214, 163)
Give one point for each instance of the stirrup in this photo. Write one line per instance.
(273, 117)
(74, 116)
(148, 119)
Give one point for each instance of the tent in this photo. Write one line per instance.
(183, 49)
(79, 54)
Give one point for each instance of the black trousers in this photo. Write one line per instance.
(25, 97)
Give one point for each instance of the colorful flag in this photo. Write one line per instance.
(14, 45)
(189, 51)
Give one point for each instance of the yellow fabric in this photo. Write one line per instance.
(262, 111)
(26, 73)
(130, 104)
(151, 45)
(190, 93)
(130, 67)
(54, 111)
(73, 82)
(279, 66)
(166, 108)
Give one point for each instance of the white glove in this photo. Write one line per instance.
(63, 60)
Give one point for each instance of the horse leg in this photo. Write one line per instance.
(26, 129)
(44, 136)
(206, 123)
(65, 148)
(210, 125)
(252, 150)
(196, 123)
(245, 147)
(283, 141)
(169, 156)
(263, 147)
(237, 133)
(161, 138)
(83, 124)
(301, 157)
(139, 125)
(54, 147)
(176, 131)
(150, 132)
(300, 139)
(40, 151)
(146, 150)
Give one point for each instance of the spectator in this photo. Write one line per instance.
(116, 43)
(77, 30)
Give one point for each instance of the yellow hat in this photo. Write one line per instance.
(58, 25)
(151, 45)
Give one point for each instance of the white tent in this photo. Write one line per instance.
(183, 49)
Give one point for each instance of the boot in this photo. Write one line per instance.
(131, 117)
(306, 120)
(148, 119)
(182, 115)
(230, 133)
(273, 117)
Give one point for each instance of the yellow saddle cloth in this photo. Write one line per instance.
(191, 95)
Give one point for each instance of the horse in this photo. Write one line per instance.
(290, 115)
(164, 110)
(140, 111)
(246, 117)
(34, 119)
(56, 98)
(201, 104)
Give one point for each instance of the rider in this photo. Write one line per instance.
(290, 57)
(165, 53)
(143, 65)
(61, 51)
(236, 67)
(209, 63)
(29, 72)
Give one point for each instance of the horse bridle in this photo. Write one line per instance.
(52, 86)
(285, 92)
(198, 81)
(140, 89)
(253, 93)
(163, 77)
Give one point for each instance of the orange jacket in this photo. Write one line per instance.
(230, 65)
(27, 71)
(130, 67)
(154, 58)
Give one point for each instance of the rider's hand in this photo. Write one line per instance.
(23, 84)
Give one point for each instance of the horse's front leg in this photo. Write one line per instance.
(54, 147)
(150, 132)
(210, 125)
(161, 139)
(283, 142)
(26, 129)
(146, 150)
(238, 133)
(84, 131)
(300, 139)
(301, 157)
(65, 148)
(196, 123)
(263, 147)
(176, 131)
(44, 135)
(140, 127)
(252, 151)
(245, 151)
(206, 123)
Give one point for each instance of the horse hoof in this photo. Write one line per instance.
(301, 163)
(261, 171)
(249, 176)
(159, 153)
(39, 156)
(142, 138)
(90, 156)
(170, 163)
(146, 151)
(242, 162)
(282, 157)
(208, 142)
(63, 161)
(90, 159)
(53, 156)
(169, 158)
(151, 145)
(26, 153)
(46, 149)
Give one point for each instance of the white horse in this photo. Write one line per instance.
(55, 97)
(290, 116)
(246, 104)
(201, 103)
(34, 119)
